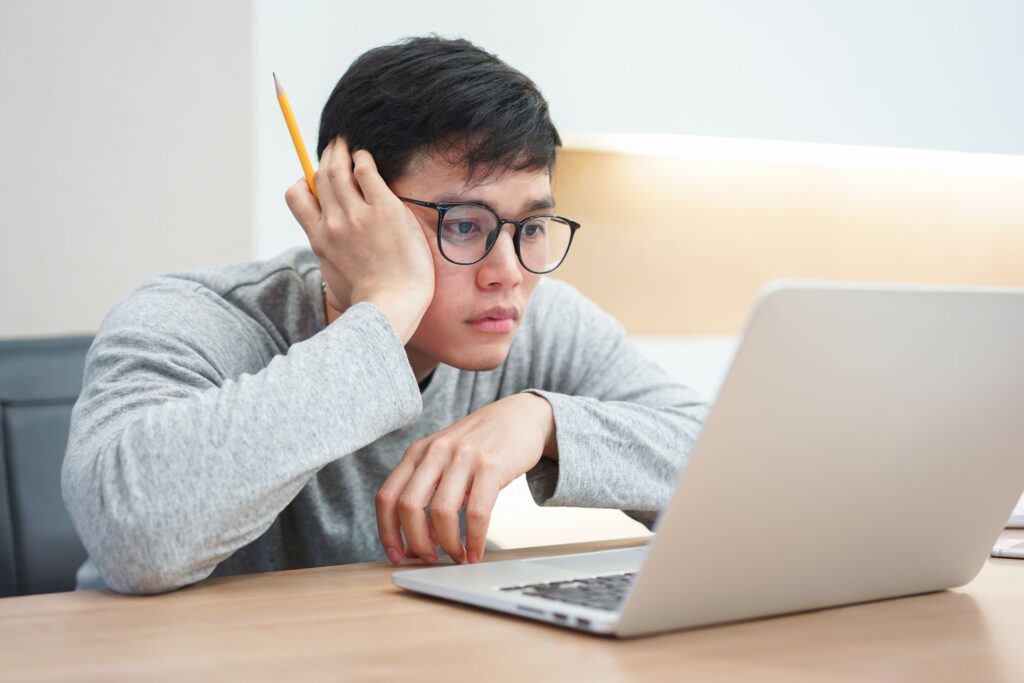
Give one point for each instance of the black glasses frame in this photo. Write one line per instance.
(442, 209)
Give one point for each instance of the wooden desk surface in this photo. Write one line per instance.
(350, 623)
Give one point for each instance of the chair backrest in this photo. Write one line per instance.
(40, 379)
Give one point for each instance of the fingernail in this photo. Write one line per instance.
(429, 559)
(394, 555)
(472, 557)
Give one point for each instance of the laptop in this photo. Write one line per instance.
(867, 444)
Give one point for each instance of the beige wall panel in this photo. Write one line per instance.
(681, 246)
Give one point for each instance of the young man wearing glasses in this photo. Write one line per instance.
(348, 403)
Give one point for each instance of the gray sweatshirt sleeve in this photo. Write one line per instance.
(185, 445)
(624, 427)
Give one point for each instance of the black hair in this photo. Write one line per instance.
(440, 96)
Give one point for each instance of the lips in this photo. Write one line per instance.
(499, 319)
(498, 312)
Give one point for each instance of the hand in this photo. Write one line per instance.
(370, 245)
(463, 466)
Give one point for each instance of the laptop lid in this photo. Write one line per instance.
(867, 443)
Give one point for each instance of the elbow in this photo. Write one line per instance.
(140, 583)
(134, 555)
(137, 551)
(140, 580)
(135, 562)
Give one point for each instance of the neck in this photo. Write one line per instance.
(421, 364)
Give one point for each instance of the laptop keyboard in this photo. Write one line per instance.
(600, 592)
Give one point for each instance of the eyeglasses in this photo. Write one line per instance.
(466, 233)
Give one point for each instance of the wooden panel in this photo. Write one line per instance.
(681, 246)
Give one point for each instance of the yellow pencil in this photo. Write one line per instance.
(293, 128)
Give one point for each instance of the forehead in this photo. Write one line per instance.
(432, 177)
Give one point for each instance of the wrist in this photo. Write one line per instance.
(403, 309)
(545, 422)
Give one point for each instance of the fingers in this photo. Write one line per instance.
(372, 186)
(427, 474)
(414, 498)
(340, 175)
(409, 554)
(433, 533)
(464, 466)
(333, 178)
(320, 233)
(482, 497)
(389, 524)
(445, 506)
(303, 205)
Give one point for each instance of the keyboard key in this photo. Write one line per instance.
(600, 592)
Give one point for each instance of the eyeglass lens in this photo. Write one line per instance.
(468, 231)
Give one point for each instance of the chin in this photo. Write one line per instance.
(478, 366)
(477, 357)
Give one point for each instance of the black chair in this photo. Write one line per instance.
(39, 382)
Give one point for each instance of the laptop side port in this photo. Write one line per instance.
(529, 610)
(582, 623)
(559, 616)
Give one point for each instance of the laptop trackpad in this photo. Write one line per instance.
(604, 562)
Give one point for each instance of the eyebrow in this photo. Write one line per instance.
(534, 205)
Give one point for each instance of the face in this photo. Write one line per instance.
(477, 309)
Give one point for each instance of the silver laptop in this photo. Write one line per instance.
(868, 443)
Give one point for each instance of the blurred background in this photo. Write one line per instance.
(711, 145)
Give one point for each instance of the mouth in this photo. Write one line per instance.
(497, 320)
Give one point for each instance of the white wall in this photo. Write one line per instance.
(898, 73)
(124, 151)
(144, 136)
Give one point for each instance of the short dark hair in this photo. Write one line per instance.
(442, 96)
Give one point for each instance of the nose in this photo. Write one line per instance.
(500, 268)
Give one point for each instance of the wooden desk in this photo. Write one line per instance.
(350, 623)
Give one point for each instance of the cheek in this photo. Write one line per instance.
(453, 292)
(530, 281)
(441, 334)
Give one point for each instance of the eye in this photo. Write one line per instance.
(535, 229)
(460, 230)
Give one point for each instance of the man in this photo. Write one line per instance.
(347, 403)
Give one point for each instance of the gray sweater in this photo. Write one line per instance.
(224, 428)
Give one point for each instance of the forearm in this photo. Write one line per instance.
(162, 494)
(617, 454)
